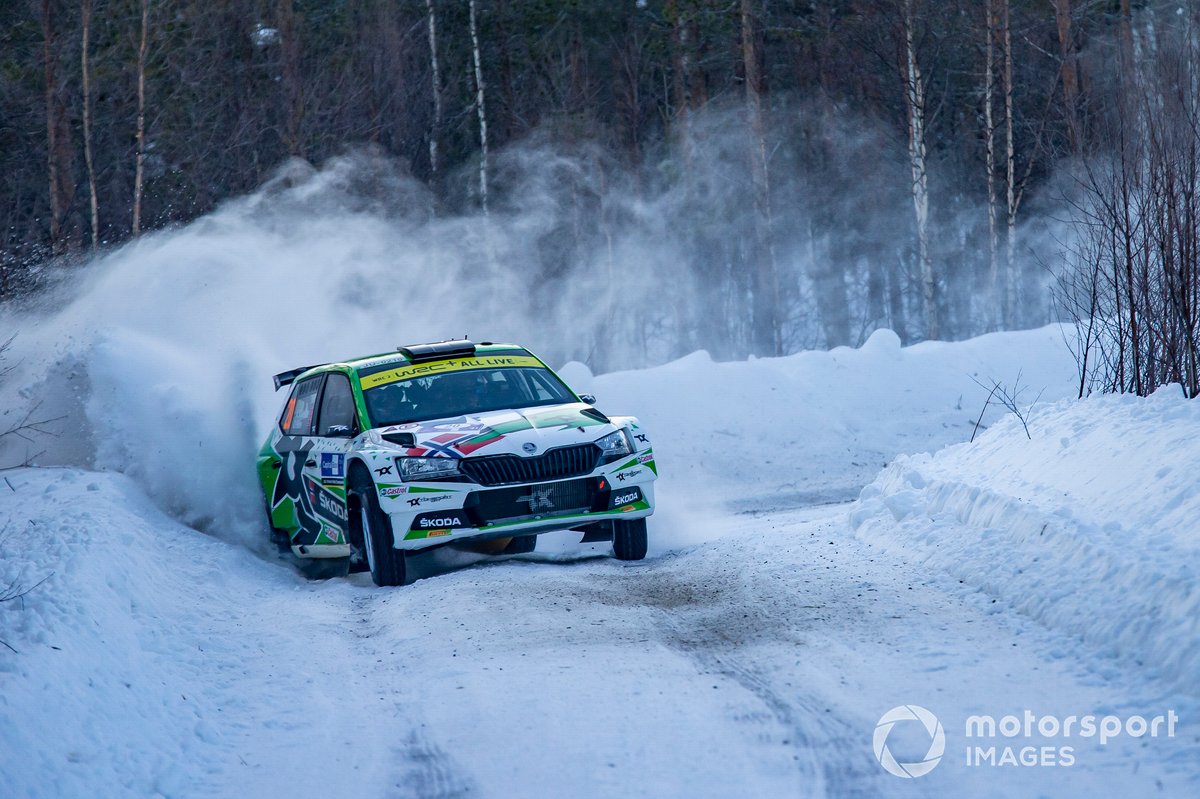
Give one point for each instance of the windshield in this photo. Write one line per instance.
(460, 393)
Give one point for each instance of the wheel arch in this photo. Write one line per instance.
(358, 475)
(357, 472)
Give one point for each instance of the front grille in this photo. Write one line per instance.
(555, 464)
(532, 501)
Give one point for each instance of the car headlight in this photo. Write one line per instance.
(415, 469)
(615, 445)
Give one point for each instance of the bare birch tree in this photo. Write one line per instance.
(1135, 291)
(914, 97)
(140, 162)
(436, 80)
(1012, 199)
(989, 123)
(482, 111)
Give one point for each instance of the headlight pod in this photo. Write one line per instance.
(615, 445)
(417, 469)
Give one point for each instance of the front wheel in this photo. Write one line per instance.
(629, 539)
(384, 560)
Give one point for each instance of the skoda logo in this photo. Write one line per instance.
(529, 447)
(937, 741)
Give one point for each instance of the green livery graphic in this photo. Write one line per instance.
(451, 443)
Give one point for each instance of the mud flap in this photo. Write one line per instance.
(491, 546)
(600, 531)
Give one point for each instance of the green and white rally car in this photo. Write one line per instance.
(437, 443)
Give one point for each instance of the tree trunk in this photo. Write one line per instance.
(702, 250)
(58, 149)
(1126, 40)
(687, 87)
(627, 87)
(86, 23)
(482, 111)
(293, 95)
(764, 276)
(914, 96)
(1070, 74)
(140, 165)
(436, 73)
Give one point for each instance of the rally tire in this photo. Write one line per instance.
(386, 563)
(629, 539)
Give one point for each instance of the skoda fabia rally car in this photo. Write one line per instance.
(450, 442)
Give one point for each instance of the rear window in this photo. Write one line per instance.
(298, 413)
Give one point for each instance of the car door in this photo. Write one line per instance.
(325, 468)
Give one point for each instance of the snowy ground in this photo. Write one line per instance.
(752, 653)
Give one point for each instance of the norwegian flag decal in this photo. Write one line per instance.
(454, 445)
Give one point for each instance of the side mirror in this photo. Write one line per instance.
(590, 399)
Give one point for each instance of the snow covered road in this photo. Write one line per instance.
(760, 661)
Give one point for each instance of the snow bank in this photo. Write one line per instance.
(130, 610)
(1090, 527)
(817, 426)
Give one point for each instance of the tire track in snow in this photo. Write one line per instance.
(428, 772)
(727, 627)
(422, 767)
(712, 655)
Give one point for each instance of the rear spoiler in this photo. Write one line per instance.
(287, 378)
(420, 353)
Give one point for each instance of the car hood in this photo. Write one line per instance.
(524, 431)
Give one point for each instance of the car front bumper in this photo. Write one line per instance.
(430, 514)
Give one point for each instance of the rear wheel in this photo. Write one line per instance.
(629, 539)
(384, 560)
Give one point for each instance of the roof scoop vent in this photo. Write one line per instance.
(439, 351)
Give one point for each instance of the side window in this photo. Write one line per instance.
(337, 407)
(298, 415)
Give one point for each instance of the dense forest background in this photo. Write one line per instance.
(819, 168)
